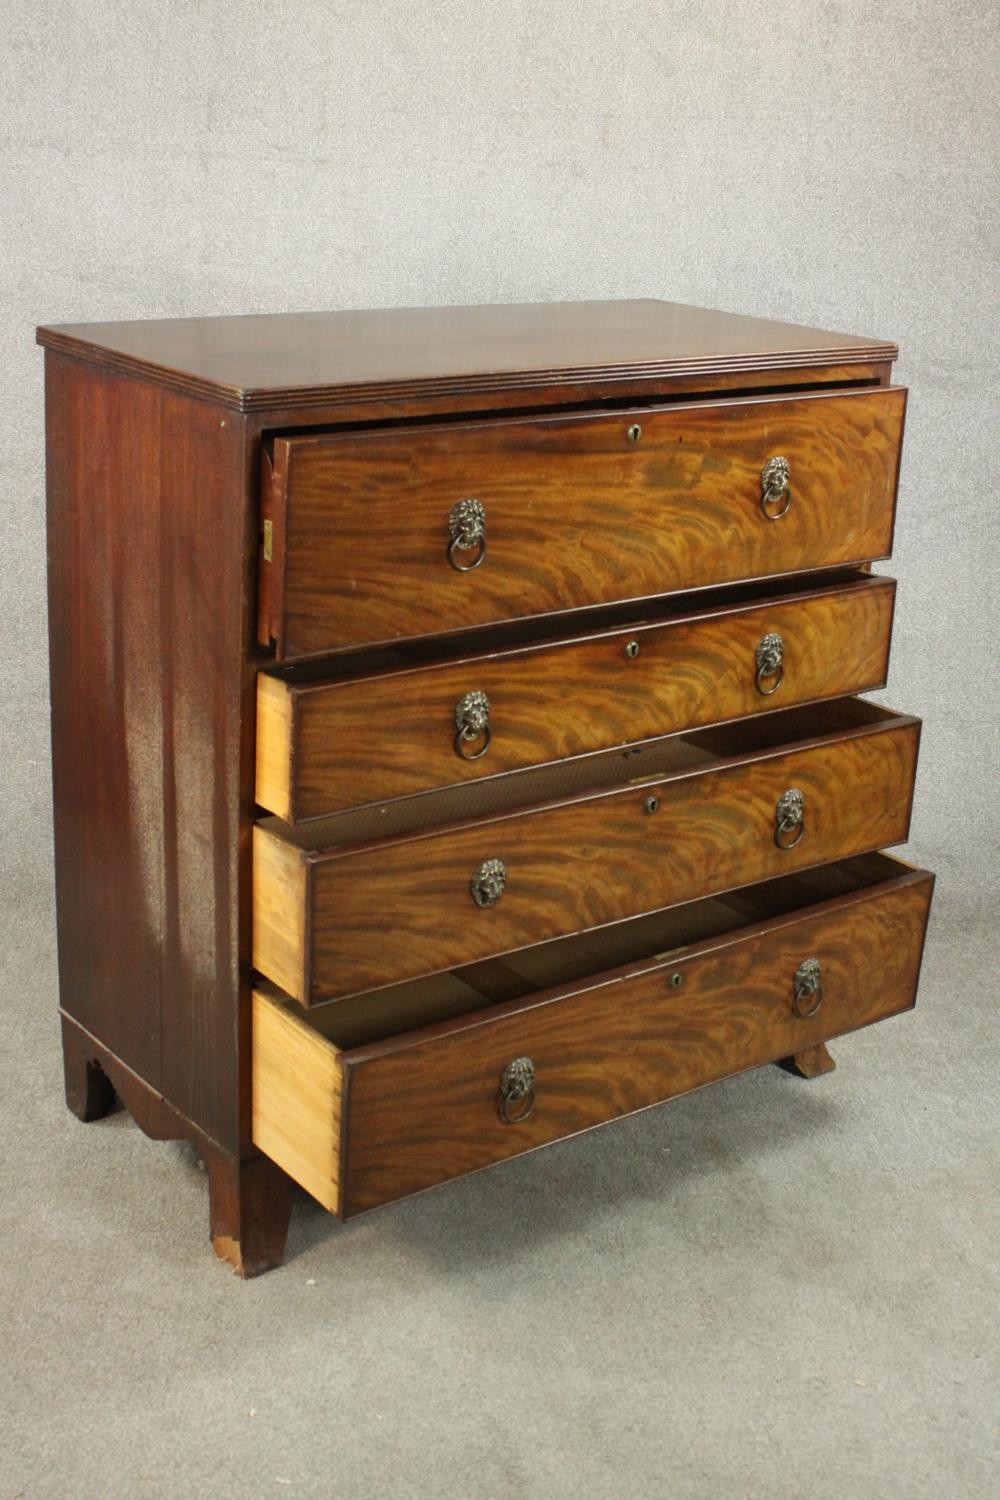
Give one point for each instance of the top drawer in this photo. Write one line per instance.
(363, 531)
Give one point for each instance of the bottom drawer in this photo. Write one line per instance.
(384, 1094)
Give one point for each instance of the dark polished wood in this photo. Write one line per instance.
(422, 1109)
(304, 359)
(90, 1094)
(577, 514)
(324, 745)
(148, 630)
(589, 859)
(250, 1206)
(371, 405)
(157, 436)
(250, 1199)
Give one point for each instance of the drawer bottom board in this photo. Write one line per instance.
(383, 1095)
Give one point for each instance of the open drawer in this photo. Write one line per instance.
(382, 1095)
(390, 533)
(346, 731)
(389, 893)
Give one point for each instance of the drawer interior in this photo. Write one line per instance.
(365, 1019)
(586, 773)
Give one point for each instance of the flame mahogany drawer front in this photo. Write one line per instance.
(544, 1044)
(329, 742)
(368, 531)
(677, 820)
(454, 731)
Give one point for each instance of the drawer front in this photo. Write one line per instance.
(578, 511)
(324, 747)
(321, 921)
(425, 1109)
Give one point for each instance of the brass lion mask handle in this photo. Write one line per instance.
(807, 988)
(466, 533)
(517, 1091)
(775, 494)
(769, 660)
(472, 726)
(488, 882)
(789, 818)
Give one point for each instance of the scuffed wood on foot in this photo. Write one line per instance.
(812, 1062)
(250, 1201)
(250, 1204)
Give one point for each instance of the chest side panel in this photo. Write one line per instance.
(148, 625)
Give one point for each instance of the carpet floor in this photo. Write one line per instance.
(771, 1289)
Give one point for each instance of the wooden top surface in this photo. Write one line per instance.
(292, 359)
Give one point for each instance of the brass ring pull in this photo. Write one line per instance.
(472, 723)
(789, 817)
(769, 661)
(774, 487)
(517, 1087)
(467, 533)
(807, 989)
(488, 882)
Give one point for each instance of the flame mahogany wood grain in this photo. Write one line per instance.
(423, 1109)
(298, 361)
(576, 514)
(433, 1034)
(155, 434)
(326, 746)
(575, 864)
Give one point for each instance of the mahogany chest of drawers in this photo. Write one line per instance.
(455, 732)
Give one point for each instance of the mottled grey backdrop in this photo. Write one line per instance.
(827, 163)
(831, 162)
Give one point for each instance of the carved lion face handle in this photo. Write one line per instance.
(517, 1091)
(775, 495)
(769, 660)
(472, 726)
(466, 533)
(807, 988)
(488, 882)
(789, 818)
